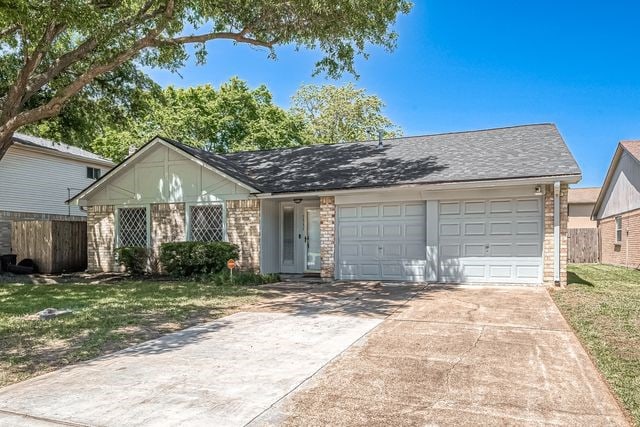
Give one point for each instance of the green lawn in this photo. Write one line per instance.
(602, 304)
(106, 318)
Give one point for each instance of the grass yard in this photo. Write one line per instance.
(602, 304)
(106, 318)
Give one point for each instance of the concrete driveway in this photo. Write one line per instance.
(341, 354)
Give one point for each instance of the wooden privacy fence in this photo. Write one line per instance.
(55, 246)
(582, 245)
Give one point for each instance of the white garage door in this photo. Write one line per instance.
(381, 241)
(491, 241)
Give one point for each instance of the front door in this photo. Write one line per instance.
(312, 239)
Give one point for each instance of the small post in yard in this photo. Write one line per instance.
(231, 264)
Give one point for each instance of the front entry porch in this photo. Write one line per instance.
(291, 236)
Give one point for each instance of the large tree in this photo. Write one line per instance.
(232, 118)
(50, 50)
(341, 113)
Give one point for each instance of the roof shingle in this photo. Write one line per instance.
(515, 152)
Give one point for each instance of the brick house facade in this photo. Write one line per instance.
(626, 252)
(283, 222)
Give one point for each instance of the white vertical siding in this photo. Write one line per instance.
(270, 236)
(623, 194)
(31, 181)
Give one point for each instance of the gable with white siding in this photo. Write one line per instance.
(163, 175)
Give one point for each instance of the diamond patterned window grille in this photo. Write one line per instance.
(207, 223)
(133, 227)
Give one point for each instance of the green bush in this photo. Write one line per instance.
(134, 259)
(242, 278)
(183, 259)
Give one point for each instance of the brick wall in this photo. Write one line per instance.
(168, 224)
(7, 218)
(548, 250)
(626, 253)
(327, 236)
(243, 229)
(101, 228)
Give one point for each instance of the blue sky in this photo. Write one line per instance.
(472, 65)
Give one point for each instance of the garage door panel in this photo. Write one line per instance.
(392, 230)
(528, 206)
(349, 250)
(346, 212)
(369, 250)
(474, 229)
(528, 227)
(474, 207)
(346, 231)
(473, 249)
(449, 229)
(390, 242)
(414, 209)
(509, 250)
(500, 206)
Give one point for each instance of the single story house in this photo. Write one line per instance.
(581, 203)
(486, 206)
(617, 208)
(37, 176)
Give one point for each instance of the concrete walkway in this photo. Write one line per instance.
(343, 355)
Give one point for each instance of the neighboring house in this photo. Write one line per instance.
(485, 206)
(581, 203)
(37, 176)
(617, 208)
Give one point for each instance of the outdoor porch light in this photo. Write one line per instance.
(296, 201)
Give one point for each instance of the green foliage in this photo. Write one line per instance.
(242, 278)
(341, 114)
(134, 259)
(184, 259)
(51, 51)
(231, 118)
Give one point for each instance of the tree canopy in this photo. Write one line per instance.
(51, 50)
(341, 113)
(231, 118)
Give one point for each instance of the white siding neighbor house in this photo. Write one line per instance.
(486, 206)
(37, 176)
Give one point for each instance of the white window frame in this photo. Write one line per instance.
(618, 229)
(93, 170)
(188, 206)
(148, 218)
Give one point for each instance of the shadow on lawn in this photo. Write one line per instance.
(574, 279)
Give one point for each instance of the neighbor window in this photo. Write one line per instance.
(206, 223)
(132, 227)
(93, 173)
(618, 229)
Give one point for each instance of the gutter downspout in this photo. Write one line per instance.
(556, 233)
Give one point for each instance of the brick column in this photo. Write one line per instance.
(327, 236)
(101, 233)
(548, 249)
(167, 225)
(243, 229)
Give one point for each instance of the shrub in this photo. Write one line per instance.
(134, 259)
(242, 278)
(184, 259)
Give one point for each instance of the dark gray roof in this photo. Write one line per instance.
(34, 141)
(513, 152)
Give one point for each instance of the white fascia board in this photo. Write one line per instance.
(56, 153)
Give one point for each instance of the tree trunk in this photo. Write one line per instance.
(6, 139)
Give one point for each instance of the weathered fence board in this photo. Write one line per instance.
(55, 246)
(582, 245)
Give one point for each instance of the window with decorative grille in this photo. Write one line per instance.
(207, 223)
(132, 227)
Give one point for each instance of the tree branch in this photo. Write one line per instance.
(240, 37)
